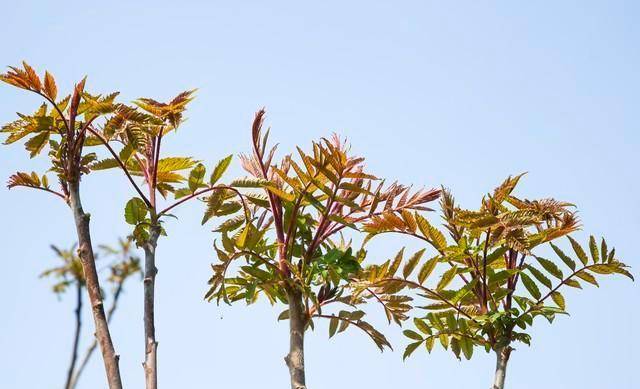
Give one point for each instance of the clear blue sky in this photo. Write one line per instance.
(431, 92)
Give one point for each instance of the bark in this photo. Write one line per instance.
(151, 345)
(297, 323)
(85, 251)
(502, 358)
(76, 338)
(92, 347)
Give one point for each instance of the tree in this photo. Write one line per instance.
(69, 275)
(62, 126)
(138, 131)
(287, 239)
(503, 282)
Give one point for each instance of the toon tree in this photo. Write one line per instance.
(68, 275)
(503, 282)
(289, 240)
(134, 137)
(61, 126)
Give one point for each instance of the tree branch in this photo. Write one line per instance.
(203, 191)
(122, 166)
(429, 291)
(76, 338)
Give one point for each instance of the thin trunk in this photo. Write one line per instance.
(76, 338)
(151, 346)
(94, 344)
(502, 358)
(85, 251)
(297, 323)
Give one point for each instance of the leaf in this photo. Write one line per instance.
(565, 258)
(447, 277)
(412, 335)
(540, 276)
(135, 211)
(333, 326)
(50, 88)
(530, 285)
(248, 182)
(593, 248)
(558, 299)
(584, 275)
(283, 315)
(604, 251)
(214, 202)
(196, 177)
(427, 268)
(550, 267)
(422, 326)
(108, 163)
(242, 238)
(430, 232)
(411, 263)
(467, 347)
(219, 169)
(395, 264)
(579, 251)
(411, 347)
(37, 143)
(172, 164)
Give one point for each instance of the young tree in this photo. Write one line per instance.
(287, 239)
(139, 131)
(503, 282)
(62, 125)
(69, 275)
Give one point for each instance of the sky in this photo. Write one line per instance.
(460, 94)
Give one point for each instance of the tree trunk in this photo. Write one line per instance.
(151, 346)
(85, 252)
(76, 338)
(297, 323)
(94, 344)
(502, 358)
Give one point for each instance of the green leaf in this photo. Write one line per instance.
(248, 182)
(530, 285)
(410, 349)
(422, 326)
(496, 254)
(37, 143)
(550, 267)
(412, 335)
(565, 258)
(604, 251)
(196, 177)
(584, 275)
(427, 268)
(429, 344)
(242, 238)
(108, 163)
(559, 300)
(579, 251)
(447, 277)
(540, 276)
(135, 211)
(467, 347)
(430, 232)
(593, 248)
(573, 283)
(411, 263)
(172, 164)
(219, 170)
(395, 264)
(284, 315)
(214, 202)
(333, 326)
